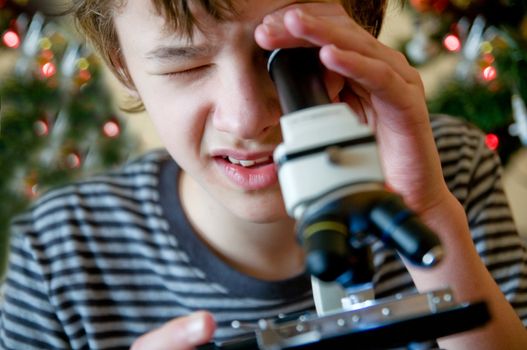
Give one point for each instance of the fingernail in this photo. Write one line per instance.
(305, 16)
(195, 328)
(271, 28)
(299, 15)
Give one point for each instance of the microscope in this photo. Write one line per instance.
(333, 185)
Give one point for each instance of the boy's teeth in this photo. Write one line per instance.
(247, 163)
(234, 160)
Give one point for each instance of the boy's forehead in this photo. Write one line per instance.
(202, 13)
(230, 9)
(187, 19)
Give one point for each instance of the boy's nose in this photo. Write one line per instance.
(248, 108)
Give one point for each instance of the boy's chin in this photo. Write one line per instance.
(262, 214)
(267, 219)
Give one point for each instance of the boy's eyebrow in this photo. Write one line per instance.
(186, 52)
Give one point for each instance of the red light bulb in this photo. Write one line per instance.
(452, 43)
(11, 39)
(48, 69)
(492, 141)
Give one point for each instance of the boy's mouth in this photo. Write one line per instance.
(249, 172)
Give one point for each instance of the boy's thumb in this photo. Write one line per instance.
(182, 333)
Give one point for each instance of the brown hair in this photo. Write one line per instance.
(95, 19)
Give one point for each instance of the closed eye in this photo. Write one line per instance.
(191, 72)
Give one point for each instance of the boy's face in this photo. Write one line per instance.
(212, 101)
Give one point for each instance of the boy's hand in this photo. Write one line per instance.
(379, 85)
(182, 333)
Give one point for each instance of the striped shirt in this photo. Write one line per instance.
(97, 263)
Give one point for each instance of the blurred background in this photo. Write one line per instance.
(59, 106)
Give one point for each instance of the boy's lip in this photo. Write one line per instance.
(249, 178)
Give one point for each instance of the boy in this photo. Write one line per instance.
(129, 258)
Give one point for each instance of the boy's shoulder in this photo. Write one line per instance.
(459, 141)
(447, 119)
(130, 186)
(444, 125)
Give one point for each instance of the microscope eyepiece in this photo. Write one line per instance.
(297, 74)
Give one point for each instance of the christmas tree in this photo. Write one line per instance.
(58, 120)
(489, 85)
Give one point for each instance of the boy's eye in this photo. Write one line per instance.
(189, 72)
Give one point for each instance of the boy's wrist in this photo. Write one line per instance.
(461, 263)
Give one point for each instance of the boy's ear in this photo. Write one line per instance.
(130, 89)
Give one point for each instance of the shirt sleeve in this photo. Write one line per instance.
(494, 233)
(27, 316)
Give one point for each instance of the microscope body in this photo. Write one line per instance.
(333, 184)
(325, 148)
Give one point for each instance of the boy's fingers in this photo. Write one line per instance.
(320, 24)
(272, 33)
(300, 29)
(182, 333)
